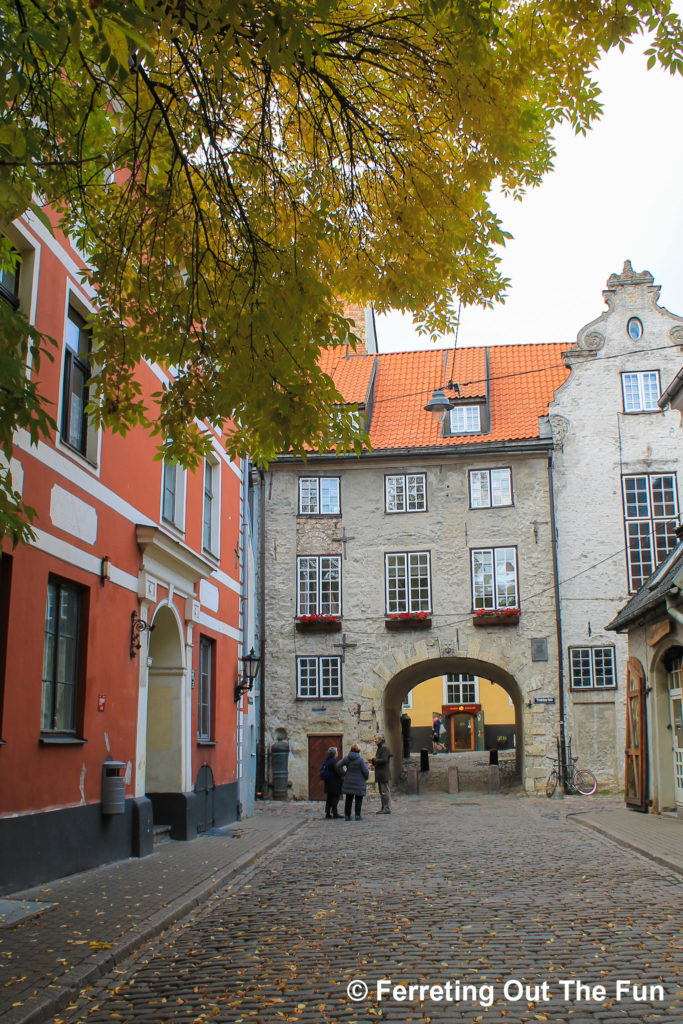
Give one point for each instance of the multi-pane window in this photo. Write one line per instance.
(407, 582)
(9, 283)
(319, 496)
(406, 492)
(490, 488)
(319, 585)
(465, 419)
(77, 343)
(592, 668)
(211, 507)
(461, 689)
(206, 669)
(651, 515)
(641, 391)
(60, 657)
(173, 495)
(494, 578)
(318, 677)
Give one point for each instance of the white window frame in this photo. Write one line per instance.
(590, 663)
(402, 493)
(407, 702)
(648, 535)
(408, 585)
(205, 688)
(493, 491)
(465, 419)
(62, 656)
(323, 677)
(493, 598)
(177, 522)
(211, 537)
(317, 491)
(641, 390)
(460, 679)
(311, 571)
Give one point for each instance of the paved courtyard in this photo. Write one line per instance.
(501, 908)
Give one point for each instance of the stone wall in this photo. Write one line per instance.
(382, 665)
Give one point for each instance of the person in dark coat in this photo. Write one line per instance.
(354, 784)
(331, 776)
(380, 762)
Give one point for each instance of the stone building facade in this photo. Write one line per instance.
(445, 520)
(617, 470)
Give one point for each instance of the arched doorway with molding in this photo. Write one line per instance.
(165, 739)
(404, 680)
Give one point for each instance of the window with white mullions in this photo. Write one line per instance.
(651, 518)
(407, 582)
(206, 659)
(60, 657)
(406, 493)
(461, 689)
(77, 345)
(319, 677)
(592, 668)
(465, 419)
(319, 496)
(641, 391)
(319, 585)
(490, 488)
(494, 578)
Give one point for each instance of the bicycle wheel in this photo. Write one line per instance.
(584, 782)
(551, 784)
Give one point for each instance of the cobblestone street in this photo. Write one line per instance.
(482, 891)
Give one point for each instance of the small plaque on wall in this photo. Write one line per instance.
(539, 649)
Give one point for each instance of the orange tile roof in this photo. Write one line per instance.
(350, 373)
(523, 380)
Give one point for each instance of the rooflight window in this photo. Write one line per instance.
(465, 419)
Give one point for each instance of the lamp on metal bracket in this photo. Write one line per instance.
(250, 665)
(137, 626)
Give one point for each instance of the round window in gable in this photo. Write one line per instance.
(634, 328)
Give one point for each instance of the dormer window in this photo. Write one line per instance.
(465, 419)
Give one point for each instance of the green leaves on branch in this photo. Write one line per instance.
(233, 168)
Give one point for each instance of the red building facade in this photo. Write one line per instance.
(123, 542)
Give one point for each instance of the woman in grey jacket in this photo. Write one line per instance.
(354, 785)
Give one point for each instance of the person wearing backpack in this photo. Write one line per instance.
(330, 775)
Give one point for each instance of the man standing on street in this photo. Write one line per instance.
(380, 763)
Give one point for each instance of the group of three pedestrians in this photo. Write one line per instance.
(349, 776)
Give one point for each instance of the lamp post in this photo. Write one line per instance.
(250, 665)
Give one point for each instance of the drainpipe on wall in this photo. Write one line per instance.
(261, 764)
(558, 630)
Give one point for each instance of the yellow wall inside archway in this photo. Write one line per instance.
(428, 697)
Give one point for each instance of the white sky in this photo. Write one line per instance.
(616, 194)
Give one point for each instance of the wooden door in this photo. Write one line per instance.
(317, 752)
(636, 737)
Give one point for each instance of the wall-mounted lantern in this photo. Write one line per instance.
(137, 626)
(250, 665)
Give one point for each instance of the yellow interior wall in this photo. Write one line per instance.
(428, 698)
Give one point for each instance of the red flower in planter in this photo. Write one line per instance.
(504, 612)
(315, 617)
(409, 615)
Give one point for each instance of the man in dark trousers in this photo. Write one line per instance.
(380, 763)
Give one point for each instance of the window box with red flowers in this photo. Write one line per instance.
(496, 617)
(318, 623)
(408, 620)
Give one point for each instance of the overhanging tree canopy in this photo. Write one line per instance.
(232, 168)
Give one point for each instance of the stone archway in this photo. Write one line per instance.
(410, 664)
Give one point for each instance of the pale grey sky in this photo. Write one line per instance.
(616, 194)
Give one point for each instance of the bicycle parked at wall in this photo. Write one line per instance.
(577, 780)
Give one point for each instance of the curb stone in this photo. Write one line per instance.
(101, 963)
